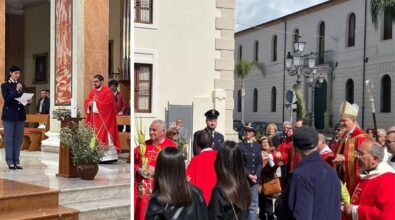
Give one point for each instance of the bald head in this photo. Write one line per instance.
(392, 128)
(321, 142)
(369, 155)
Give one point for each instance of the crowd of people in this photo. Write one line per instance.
(294, 174)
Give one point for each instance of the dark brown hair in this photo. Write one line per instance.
(229, 167)
(99, 77)
(204, 140)
(170, 182)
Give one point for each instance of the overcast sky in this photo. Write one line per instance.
(253, 12)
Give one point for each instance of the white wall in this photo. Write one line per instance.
(181, 46)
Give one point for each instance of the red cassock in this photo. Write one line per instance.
(202, 173)
(375, 198)
(143, 186)
(328, 157)
(286, 154)
(347, 149)
(105, 120)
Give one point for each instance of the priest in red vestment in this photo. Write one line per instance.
(345, 161)
(101, 114)
(374, 196)
(144, 166)
(326, 153)
(200, 171)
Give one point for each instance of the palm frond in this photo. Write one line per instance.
(301, 111)
(378, 7)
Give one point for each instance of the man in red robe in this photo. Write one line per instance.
(345, 161)
(101, 114)
(374, 196)
(326, 153)
(144, 166)
(200, 171)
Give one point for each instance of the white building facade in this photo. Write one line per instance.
(184, 56)
(348, 52)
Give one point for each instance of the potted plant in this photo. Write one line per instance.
(85, 149)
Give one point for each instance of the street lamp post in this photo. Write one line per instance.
(299, 64)
(314, 83)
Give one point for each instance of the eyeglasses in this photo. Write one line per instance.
(95, 81)
(360, 153)
(249, 131)
(388, 141)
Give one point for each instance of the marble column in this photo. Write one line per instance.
(96, 28)
(63, 51)
(2, 44)
(79, 42)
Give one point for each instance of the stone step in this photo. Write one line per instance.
(103, 209)
(20, 200)
(97, 193)
(14, 195)
(41, 213)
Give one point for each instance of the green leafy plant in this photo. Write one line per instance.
(378, 7)
(301, 108)
(83, 143)
(242, 70)
(62, 114)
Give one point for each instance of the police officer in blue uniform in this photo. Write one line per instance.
(211, 122)
(251, 151)
(14, 116)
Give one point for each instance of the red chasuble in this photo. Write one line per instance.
(348, 151)
(143, 186)
(327, 155)
(375, 197)
(286, 155)
(201, 172)
(104, 121)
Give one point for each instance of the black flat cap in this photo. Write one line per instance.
(305, 138)
(212, 114)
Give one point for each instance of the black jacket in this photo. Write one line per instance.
(12, 109)
(252, 159)
(195, 211)
(45, 108)
(218, 139)
(220, 208)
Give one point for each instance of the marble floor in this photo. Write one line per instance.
(105, 197)
(40, 168)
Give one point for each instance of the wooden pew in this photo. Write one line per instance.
(32, 136)
(124, 137)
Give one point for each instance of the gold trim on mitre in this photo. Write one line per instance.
(348, 111)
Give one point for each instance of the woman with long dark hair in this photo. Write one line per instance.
(230, 198)
(173, 197)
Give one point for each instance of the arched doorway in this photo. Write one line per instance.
(320, 96)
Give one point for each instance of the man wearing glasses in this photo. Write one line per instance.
(100, 110)
(374, 196)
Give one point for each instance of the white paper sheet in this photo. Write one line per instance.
(23, 99)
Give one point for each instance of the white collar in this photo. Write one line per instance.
(381, 169)
(325, 150)
(206, 149)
